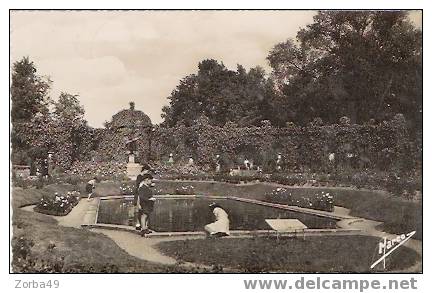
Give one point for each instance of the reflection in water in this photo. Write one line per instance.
(175, 215)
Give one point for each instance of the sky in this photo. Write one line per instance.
(110, 58)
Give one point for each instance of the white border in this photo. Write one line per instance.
(193, 283)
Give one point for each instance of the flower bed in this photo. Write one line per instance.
(319, 201)
(127, 188)
(408, 187)
(185, 190)
(58, 205)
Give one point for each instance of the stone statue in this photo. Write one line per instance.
(131, 145)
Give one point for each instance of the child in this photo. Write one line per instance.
(144, 203)
(145, 169)
(90, 187)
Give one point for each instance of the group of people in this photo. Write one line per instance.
(249, 165)
(144, 201)
(144, 204)
(171, 160)
(143, 197)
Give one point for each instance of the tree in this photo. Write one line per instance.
(73, 135)
(220, 94)
(68, 109)
(360, 64)
(29, 103)
(28, 91)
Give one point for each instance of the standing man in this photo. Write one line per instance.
(144, 203)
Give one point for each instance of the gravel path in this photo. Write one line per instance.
(137, 246)
(133, 244)
(73, 219)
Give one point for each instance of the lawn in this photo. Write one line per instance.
(314, 254)
(399, 216)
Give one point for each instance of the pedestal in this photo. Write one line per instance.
(132, 168)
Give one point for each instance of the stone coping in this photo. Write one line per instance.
(236, 233)
(318, 213)
(168, 196)
(90, 219)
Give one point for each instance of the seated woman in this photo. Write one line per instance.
(220, 227)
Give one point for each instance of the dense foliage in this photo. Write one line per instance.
(41, 125)
(29, 100)
(384, 146)
(220, 94)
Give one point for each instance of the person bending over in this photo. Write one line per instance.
(220, 227)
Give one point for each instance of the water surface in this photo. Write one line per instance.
(192, 214)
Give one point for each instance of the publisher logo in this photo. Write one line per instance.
(387, 246)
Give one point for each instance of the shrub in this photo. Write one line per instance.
(281, 195)
(127, 188)
(21, 248)
(57, 205)
(73, 180)
(188, 189)
(24, 182)
(40, 183)
(319, 201)
(402, 185)
(24, 261)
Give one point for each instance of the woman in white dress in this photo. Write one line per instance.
(220, 227)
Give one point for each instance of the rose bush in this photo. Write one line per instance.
(185, 190)
(319, 200)
(127, 188)
(58, 205)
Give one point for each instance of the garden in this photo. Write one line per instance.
(46, 245)
(276, 145)
(388, 191)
